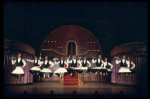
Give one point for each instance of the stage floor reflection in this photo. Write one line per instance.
(86, 88)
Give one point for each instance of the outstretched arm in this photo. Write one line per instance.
(94, 61)
(133, 65)
(110, 65)
(30, 60)
(66, 63)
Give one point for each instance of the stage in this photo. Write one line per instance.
(88, 89)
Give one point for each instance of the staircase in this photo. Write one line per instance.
(68, 80)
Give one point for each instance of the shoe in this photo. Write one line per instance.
(71, 74)
(85, 73)
(100, 73)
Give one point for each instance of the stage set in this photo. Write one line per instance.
(68, 41)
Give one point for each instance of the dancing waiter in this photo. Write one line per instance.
(131, 66)
(74, 67)
(99, 65)
(108, 66)
(85, 65)
(20, 64)
(61, 70)
(124, 66)
(46, 69)
(36, 65)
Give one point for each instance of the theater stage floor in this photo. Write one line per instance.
(88, 88)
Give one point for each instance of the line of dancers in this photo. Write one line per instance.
(77, 66)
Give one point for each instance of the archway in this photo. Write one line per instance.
(71, 49)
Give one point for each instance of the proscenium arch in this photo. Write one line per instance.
(76, 45)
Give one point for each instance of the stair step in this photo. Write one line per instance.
(70, 80)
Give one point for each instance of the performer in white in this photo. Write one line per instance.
(99, 65)
(36, 65)
(74, 66)
(124, 66)
(61, 70)
(131, 66)
(46, 69)
(20, 64)
(84, 66)
(108, 66)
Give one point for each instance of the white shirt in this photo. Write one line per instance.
(19, 59)
(39, 62)
(74, 60)
(61, 62)
(87, 62)
(123, 60)
(94, 61)
(105, 64)
(128, 62)
(51, 63)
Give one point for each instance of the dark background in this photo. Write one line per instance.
(112, 23)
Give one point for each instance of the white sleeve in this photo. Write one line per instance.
(89, 63)
(133, 65)
(94, 61)
(79, 63)
(110, 65)
(30, 60)
(13, 62)
(24, 63)
(66, 64)
(117, 62)
(57, 62)
(102, 63)
(40, 63)
(51, 63)
(69, 61)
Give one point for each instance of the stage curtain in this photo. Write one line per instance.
(8, 68)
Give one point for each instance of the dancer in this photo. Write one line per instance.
(36, 65)
(61, 70)
(74, 67)
(108, 66)
(131, 66)
(46, 69)
(124, 66)
(84, 66)
(20, 64)
(99, 65)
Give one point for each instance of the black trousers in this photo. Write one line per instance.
(34, 72)
(70, 70)
(42, 74)
(17, 75)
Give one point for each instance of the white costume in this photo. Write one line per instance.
(19, 62)
(84, 64)
(95, 61)
(123, 66)
(46, 65)
(36, 64)
(111, 66)
(74, 61)
(61, 66)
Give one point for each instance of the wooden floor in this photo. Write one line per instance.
(88, 88)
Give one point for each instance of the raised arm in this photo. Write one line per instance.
(118, 61)
(13, 62)
(69, 61)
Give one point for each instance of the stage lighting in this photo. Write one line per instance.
(96, 92)
(74, 92)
